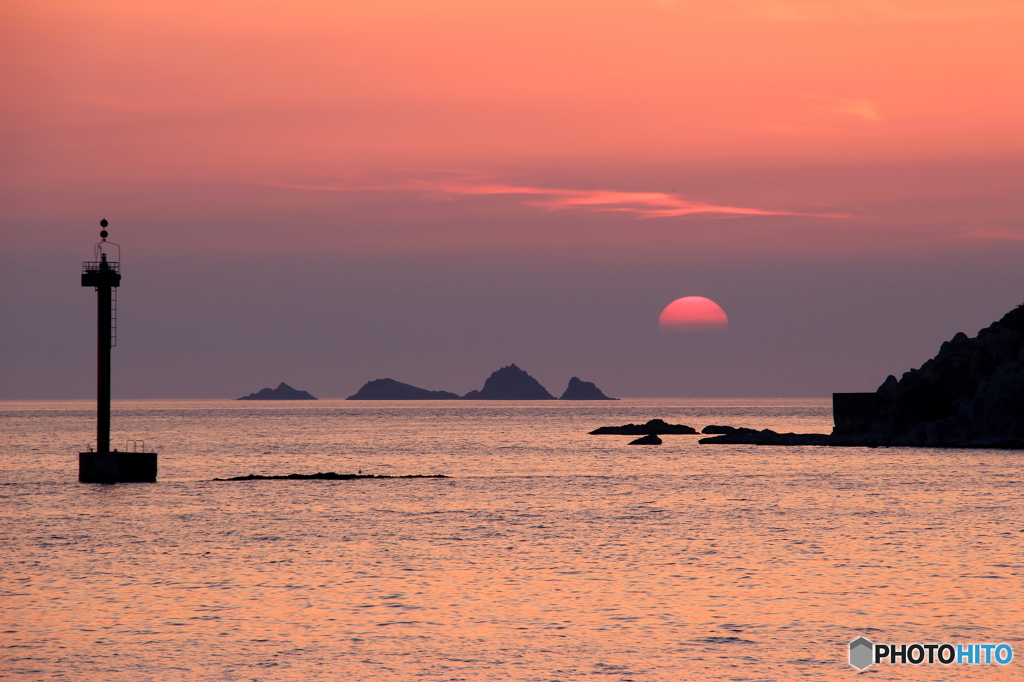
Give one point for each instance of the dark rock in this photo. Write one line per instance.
(656, 426)
(744, 436)
(323, 476)
(510, 383)
(649, 439)
(714, 428)
(389, 389)
(282, 392)
(583, 390)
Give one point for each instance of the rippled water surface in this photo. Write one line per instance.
(548, 555)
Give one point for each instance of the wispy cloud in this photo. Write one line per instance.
(639, 204)
(864, 109)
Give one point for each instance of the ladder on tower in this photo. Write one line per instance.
(113, 317)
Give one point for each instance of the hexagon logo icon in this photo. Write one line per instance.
(862, 653)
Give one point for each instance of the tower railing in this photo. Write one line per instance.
(90, 267)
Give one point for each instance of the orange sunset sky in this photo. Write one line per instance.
(331, 192)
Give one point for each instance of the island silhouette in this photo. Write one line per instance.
(510, 383)
(282, 392)
(389, 389)
(583, 390)
(507, 383)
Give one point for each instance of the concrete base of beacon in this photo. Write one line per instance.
(117, 467)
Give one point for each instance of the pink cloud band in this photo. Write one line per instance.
(640, 204)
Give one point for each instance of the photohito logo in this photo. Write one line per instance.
(865, 653)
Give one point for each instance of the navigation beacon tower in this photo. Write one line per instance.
(104, 465)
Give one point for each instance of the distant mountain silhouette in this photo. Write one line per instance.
(510, 383)
(583, 390)
(389, 389)
(282, 392)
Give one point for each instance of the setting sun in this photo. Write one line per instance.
(693, 314)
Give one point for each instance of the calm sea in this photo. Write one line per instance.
(548, 555)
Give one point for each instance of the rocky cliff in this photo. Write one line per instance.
(971, 393)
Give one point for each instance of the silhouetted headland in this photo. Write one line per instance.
(654, 426)
(583, 390)
(324, 476)
(389, 389)
(282, 392)
(970, 395)
(510, 383)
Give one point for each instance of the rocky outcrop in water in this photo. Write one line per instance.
(583, 390)
(389, 389)
(649, 439)
(744, 436)
(716, 429)
(654, 426)
(322, 476)
(510, 383)
(282, 392)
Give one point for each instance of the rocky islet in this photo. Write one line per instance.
(507, 383)
(282, 392)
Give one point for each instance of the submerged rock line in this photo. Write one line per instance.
(323, 476)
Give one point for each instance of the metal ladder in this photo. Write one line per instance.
(113, 317)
